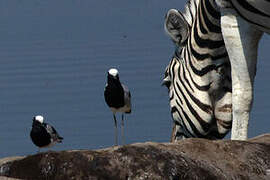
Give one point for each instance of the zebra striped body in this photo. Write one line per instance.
(199, 76)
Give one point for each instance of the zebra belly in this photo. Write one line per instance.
(256, 12)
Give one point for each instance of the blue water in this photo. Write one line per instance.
(54, 57)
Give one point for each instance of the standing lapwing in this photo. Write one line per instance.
(118, 98)
(42, 134)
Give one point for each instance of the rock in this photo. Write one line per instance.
(6, 160)
(187, 159)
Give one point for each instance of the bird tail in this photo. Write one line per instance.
(60, 139)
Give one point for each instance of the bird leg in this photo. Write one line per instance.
(122, 130)
(115, 128)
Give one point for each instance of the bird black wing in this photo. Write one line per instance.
(127, 98)
(53, 133)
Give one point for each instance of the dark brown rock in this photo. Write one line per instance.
(188, 159)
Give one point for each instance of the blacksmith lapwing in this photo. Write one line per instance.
(118, 98)
(42, 134)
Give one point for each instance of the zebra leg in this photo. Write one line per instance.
(241, 41)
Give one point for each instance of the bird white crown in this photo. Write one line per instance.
(113, 72)
(39, 118)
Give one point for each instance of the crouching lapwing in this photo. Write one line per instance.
(42, 134)
(118, 98)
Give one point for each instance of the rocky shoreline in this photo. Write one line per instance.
(187, 159)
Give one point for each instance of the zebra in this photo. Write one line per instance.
(207, 78)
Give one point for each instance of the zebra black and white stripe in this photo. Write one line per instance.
(204, 73)
(198, 76)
